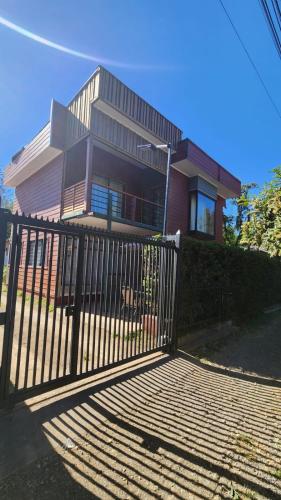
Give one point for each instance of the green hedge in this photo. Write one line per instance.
(253, 278)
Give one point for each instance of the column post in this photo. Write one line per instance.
(88, 175)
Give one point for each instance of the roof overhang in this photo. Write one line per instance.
(192, 161)
(127, 122)
(46, 145)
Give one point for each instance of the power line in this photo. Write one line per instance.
(271, 24)
(251, 61)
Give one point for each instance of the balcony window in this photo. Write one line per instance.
(102, 189)
(202, 213)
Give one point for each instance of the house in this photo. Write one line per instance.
(86, 166)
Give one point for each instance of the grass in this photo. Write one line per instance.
(246, 447)
(250, 494)
(243, 438)
(51, 307)
(234, 494)
(276, 473)
(133, 335)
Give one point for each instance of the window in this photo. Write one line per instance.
(31, 254)
(202, 213)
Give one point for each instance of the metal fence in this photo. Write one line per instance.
(77, 301)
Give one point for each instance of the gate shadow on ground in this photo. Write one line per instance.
(173, 428)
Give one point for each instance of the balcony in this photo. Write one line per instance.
(112, 206)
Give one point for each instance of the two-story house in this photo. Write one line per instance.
(85, 166)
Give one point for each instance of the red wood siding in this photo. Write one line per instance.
(178, 209)
(178, 204)
(40, 194)
(212, 168)
(186, 149)
(41, 272)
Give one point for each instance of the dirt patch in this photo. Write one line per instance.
(255, 348)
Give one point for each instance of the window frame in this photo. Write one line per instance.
(195, 230)
(39, 264)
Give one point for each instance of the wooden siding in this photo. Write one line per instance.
(219, 219)
(40, 270)
(178, 203)
(40, 194)
(79, 111)
(214, 169)
(105, 86)
(113, 133)
(228, 180)
(74, 198)
(178, 210)
(188, 150)
(118, 95)
(29, 153)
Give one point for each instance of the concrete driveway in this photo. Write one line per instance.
(170, 428)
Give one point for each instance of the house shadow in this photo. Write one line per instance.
(172, 428)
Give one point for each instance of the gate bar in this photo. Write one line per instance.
(10, 315)
(77, 307)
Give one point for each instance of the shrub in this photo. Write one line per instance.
(252, 277)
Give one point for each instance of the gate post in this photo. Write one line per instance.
(9, 315)
(3, 238)
(77, 305)
(176, 288)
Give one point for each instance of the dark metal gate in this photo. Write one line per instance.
(76, 300)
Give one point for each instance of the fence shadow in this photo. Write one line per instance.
(172, 428)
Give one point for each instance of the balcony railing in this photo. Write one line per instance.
(119, 205)
(116, 205)
(74, 198)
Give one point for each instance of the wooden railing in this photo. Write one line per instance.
(114, 204)
(74, 198)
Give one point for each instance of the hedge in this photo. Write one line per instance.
(253, 279)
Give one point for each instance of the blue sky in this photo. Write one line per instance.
(199, 76)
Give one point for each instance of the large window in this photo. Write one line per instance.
(202, 213)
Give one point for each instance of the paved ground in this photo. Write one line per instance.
(174, 429)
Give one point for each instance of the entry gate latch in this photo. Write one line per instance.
(69, 310)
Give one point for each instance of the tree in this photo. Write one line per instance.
(262, 229)
(229, 234)
(233, 223)
(6, 195)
